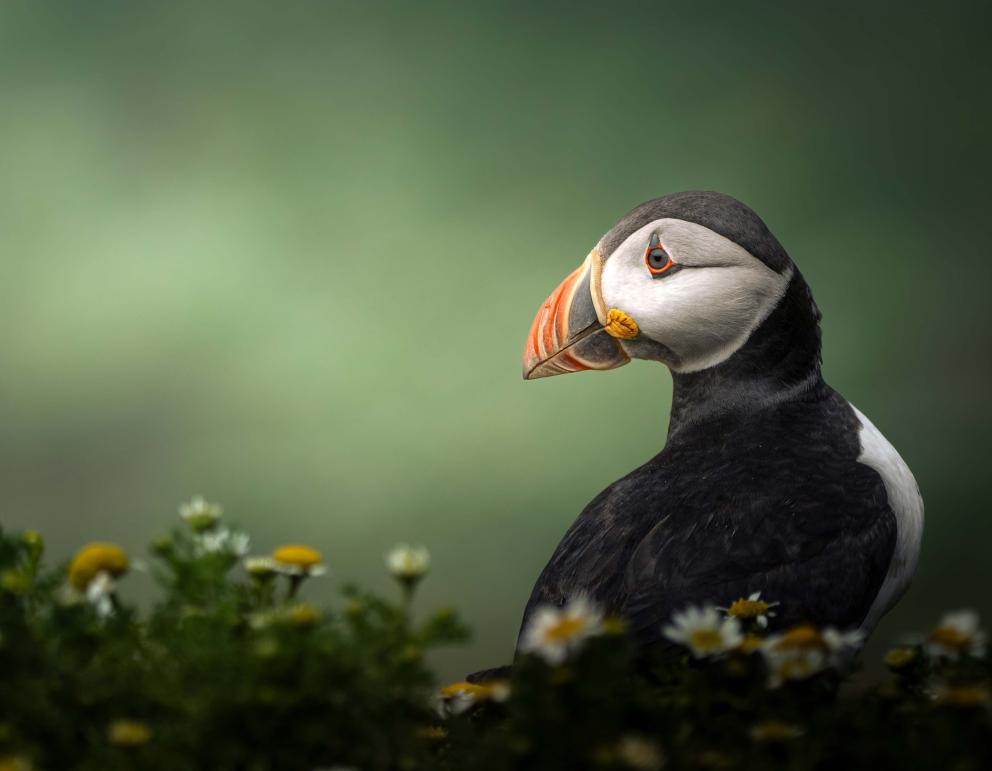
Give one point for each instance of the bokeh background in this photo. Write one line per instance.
(285, 255)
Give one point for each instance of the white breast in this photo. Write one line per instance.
(907, 505)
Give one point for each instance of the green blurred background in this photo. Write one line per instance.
(286, 255)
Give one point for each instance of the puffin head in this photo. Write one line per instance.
(684, 279)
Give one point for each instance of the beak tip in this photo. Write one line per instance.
(531, 370)
(529, 364)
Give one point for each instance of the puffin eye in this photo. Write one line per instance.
(656, 258)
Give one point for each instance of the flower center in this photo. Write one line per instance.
(798, 668)
(966, 696)
(97, 558)
(897, 658)
(950, 637)
(705, 639)
(750, 643)
(743, 608)
(802, 637)
(128, 733)
(474, 690)
(298, 556)
(564, 629)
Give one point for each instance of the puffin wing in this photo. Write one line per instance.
(821, 549)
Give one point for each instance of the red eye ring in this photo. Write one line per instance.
(657, 258)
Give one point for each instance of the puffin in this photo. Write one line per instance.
(769, 480)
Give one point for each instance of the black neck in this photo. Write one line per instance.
(779, 362)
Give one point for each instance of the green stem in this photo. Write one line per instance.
(294, 585)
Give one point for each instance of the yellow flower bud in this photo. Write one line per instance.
(15, 582)
(297, 559)
(303, 615)
(900, 658)
(32, 539)
(96, 558)
(128, 733)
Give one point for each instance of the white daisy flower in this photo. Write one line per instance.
(752, 608)
(408, 563)
(461, 696)
(553, 633)
(199, 514)
(799, 664)
(704, 632)
(804, 651)
(238, 544)
(298, 560)
(957, 633)
(842, 646)
(99, 593)
(260, 567)
(222, 540)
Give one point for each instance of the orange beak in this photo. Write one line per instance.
(566, 335)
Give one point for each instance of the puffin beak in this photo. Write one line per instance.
(567, 335)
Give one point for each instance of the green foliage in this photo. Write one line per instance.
(221, 674)
(230, 670)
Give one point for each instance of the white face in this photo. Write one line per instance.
(703, 311)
